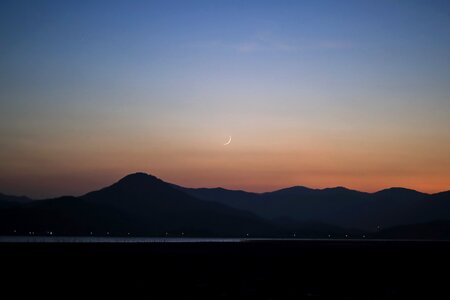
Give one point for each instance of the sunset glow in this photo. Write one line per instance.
(90, 93)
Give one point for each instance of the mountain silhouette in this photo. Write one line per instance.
(9, 201)
(338, 206)
(64, 215)
(164, 208)
(436, 230)
(143, 204)
(138, 203)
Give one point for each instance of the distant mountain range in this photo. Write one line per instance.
(141, 204)
(338, 206)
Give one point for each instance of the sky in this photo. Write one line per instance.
(313, 93)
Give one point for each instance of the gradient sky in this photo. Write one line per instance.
(314, 93)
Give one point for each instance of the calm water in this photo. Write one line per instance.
(94, 239)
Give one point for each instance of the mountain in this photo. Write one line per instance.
(8, 201)
(165, 208)
(439, 229)
(138, 203)
(300, 204)
(65, 216)
(234, 198)
(338, 206)
(143, 204)
(332, 205)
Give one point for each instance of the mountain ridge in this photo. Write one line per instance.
(143, 203)
(25, 198)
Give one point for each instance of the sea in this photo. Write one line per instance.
(120, 240)
(94, 239)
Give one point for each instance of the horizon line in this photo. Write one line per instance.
(230, 189)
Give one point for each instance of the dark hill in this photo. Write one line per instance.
(64, 215)
(237, 199)
(9, 201)
(338, 206)
(138, 203)
(436, 230)
(145, 205)
(164, 208)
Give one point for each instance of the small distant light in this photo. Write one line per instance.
(329, 235)
(51, 233)
(107, 233)
(128, 233)
(91, 232)
(29, 232)
(346, 235)
(364, 236)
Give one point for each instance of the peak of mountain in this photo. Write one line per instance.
(214, 189)
(138, 179)
(140, 203)
(397, 191)
(339, 189)
(343, 191)
(136, 191)
(302, 190)
(165, 207)
(291, 190)
(302, 193)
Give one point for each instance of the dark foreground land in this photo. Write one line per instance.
(244, 270)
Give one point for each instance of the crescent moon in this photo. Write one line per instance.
(229, 141)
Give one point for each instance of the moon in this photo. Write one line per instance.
(229, 141)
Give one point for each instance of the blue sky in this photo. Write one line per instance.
(85, 85)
